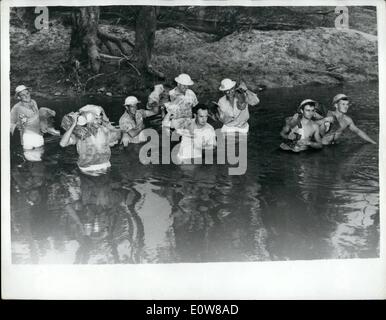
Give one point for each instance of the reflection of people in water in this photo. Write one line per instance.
(29, 215)
(337, 122)
(209, 223)
(304, 133)
(103, 219)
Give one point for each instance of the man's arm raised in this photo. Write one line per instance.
(65, 141)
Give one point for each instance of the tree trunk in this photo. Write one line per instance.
(84, 38)
(87, 40)
(146, 26)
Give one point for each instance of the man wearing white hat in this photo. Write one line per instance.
(337, 121)
(302, 133)
(131, 122)
(233, 114)
(182, 100)
(93, 134)
(26, 116)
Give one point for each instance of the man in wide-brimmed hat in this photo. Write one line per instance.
(31, 121)
(182, 100)
(337, 121)
(233, 112)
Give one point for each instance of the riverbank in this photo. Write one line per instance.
(261, 58)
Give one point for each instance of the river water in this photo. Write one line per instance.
(316, 205)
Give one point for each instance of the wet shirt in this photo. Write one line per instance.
(185, 102)
(94, 149)
(192, 146)
(227, 110)
(128, 122)
(30, 112)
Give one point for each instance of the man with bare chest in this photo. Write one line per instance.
(337, 121)
(304, 133)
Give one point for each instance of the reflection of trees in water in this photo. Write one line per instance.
(216, 217)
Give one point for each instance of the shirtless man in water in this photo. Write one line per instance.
(337, 121)
(301, 133)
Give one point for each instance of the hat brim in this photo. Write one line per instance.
(26, 88)
(307, 102)
(228, 88)
(184, 83)
(126, 105)
(341, 98)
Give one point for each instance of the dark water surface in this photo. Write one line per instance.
(317, 205)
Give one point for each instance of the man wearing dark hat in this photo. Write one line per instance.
(305, 132)
(337, 121)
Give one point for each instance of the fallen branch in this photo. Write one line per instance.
(107, 57)
(91, 78)
(125, 58)
(130, 64)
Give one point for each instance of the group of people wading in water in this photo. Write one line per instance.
(309, 128)
(178, 110)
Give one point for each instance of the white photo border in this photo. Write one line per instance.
(316, 279)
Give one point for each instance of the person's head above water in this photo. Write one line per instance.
(23, 93)
(200, 112)
(130, 104)
(159, 88)
(183, 82)
(228, 87)
(93, 113)
(341, 102)
(307, 108)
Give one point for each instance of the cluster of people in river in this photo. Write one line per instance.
(178, 110)
(309, 128)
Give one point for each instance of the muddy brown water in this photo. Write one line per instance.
(316, 205)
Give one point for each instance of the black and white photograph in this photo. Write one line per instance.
(175, 134)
